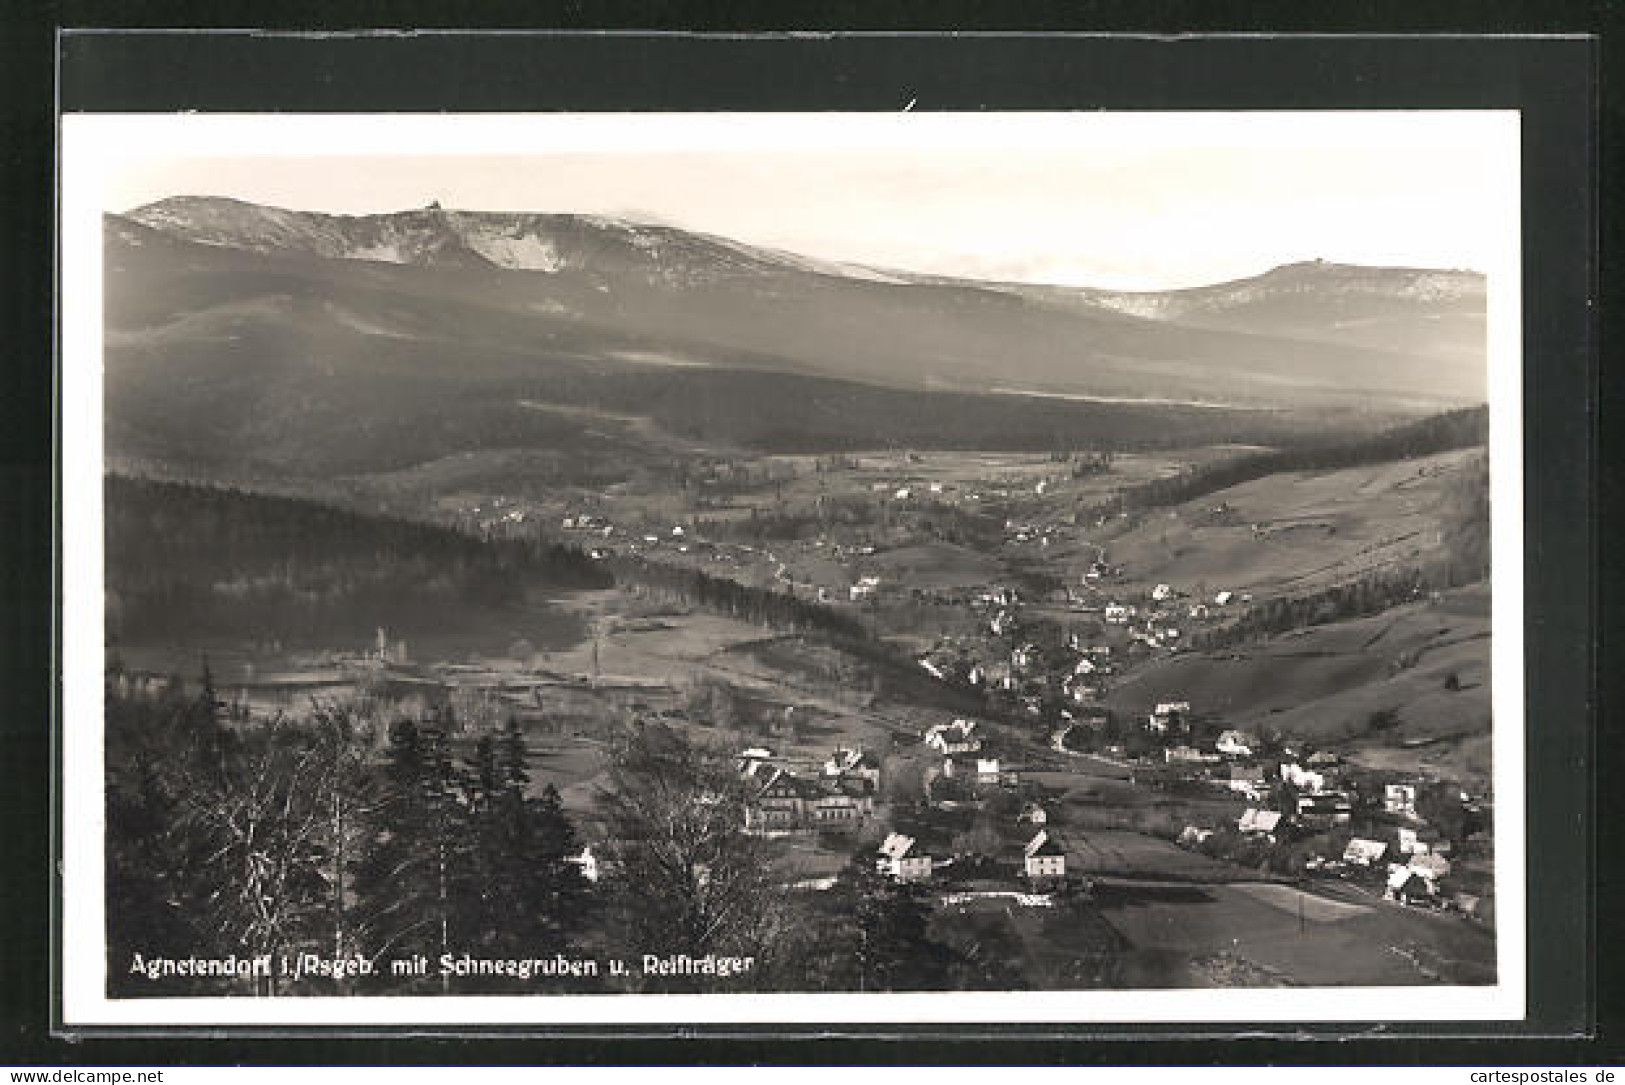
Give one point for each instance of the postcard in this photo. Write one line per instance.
(917, 568)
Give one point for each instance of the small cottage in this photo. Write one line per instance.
(1043, 857)
(900, 859)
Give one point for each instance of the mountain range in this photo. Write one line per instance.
(312, 343)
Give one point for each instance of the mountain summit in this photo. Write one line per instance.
(514, 241)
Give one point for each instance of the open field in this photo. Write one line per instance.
(1335, 943)
(1124, 854)
(1292, 532)
(1324, 683)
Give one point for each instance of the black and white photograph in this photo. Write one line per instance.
(899, 566)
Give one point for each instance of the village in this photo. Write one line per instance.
(1046, 656)
(1303, 819)
(1088, 761)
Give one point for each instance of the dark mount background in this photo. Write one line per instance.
(1552, 81)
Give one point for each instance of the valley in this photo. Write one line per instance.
(1170, 670)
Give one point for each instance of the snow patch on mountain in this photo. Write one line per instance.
(526, 252)
(383, 252)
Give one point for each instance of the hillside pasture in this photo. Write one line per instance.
(1294, 532)
(1324, 683)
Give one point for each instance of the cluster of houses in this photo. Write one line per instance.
(1399, 851)
(1040, 859)
(1031, 674)
(837, 795)
(1073, 675)
(1155, 622)
(965, 761)
(1413, 867)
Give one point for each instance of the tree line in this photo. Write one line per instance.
(189, 561)
(1466, 428)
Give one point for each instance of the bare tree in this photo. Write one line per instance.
(686, 876)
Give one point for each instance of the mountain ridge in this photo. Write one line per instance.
(188, 216)
(333, 343)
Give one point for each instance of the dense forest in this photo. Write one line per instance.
(1466, 428)
(720, 595)
(231, 839)
(775, 412)
(195, 562)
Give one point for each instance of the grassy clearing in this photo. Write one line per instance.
(1172, 926)
(1124, 853)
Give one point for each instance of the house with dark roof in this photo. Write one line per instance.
(782, 802)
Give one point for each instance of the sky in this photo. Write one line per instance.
(1127, 201)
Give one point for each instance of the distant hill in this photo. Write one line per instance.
(321, 343)
(1435, 314)
(191, 563)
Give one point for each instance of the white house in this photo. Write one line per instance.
(1161, 592)
(1247, 780)
(1259, 821)
(1043, 857)
(900, 859)
(987, 770)
(1192, 835)
(586, 861)
(1406, 885)
(1432, 867)
(1235, 744)
(1301, 778)
(1223, 599)
(1362, 852)
(1399, 799)
(864, 588)
(1164, 714)
(956, 737)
